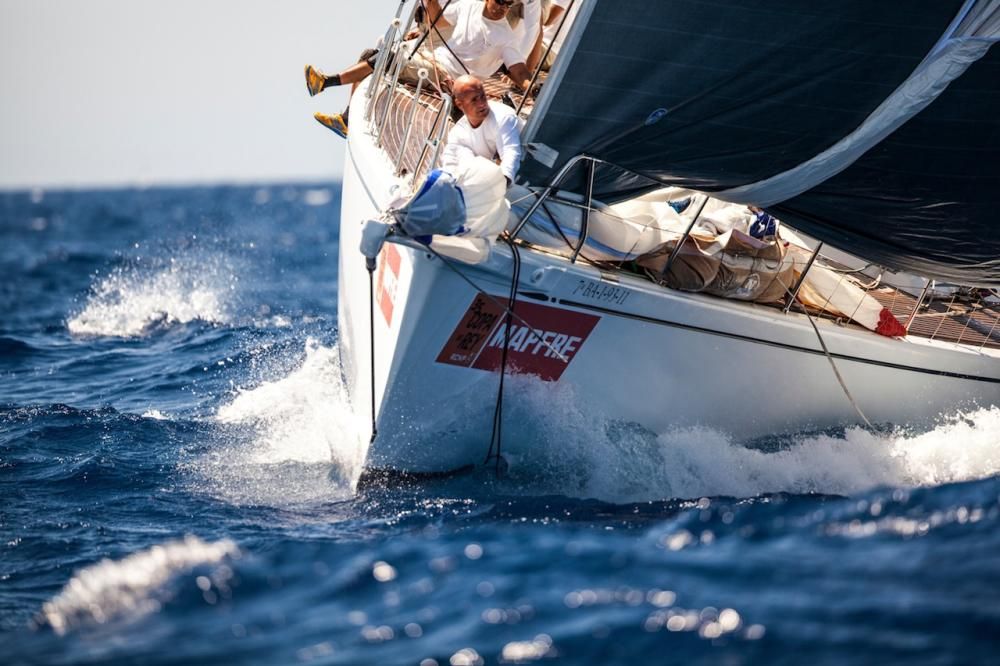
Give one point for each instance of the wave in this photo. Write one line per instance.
(578, 454)
(131, 586)
(11, 349)
(287, 440)
(134, 300)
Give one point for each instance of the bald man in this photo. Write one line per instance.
(488, 129)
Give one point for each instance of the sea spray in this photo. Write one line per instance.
(465, 569)
(131, 586)
(556, 445)
(287, 440)
(138, 297)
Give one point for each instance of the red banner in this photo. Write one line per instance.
(543, 339)
(388, 278)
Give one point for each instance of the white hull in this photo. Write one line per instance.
(655, 357)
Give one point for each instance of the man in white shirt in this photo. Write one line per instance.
(551, 35)
(528, 30)
(481, 41)
(488, 129)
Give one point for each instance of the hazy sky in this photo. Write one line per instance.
(106, 92)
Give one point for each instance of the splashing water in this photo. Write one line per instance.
(96, 464)
(961, 449)
(289, 440)
(133, 300)
(581, 454)
(131, 586)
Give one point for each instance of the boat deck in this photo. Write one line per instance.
(970, 319)
(425, 122)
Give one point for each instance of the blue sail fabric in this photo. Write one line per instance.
(437, 209)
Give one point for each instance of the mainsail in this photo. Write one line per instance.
(873, 126)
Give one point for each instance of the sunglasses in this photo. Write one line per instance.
(505, 3)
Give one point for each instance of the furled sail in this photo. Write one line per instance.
(872, 126)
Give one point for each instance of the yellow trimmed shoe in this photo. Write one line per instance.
(334, 123)
(315, 80)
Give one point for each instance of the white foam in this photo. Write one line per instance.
(131, 301)
(132, 585)
(155, 414)
(288, 440)
(585, 457)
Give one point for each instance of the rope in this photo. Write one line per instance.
(370, 265)
(434, 28)
(829, 357)
(496, 438)
(496, 435)
(508, 310)
(437, 74)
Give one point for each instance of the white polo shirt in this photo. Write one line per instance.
(550, 31)
(499, 135)
(481, 44)
(528, 27)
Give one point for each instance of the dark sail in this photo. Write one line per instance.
(748, 99)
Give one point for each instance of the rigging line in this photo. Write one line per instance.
(447, 262)
(531, 193)
(370, 265)
(851, 270)
(437, 74)
(496, 437)
(544, 57)
(871, 285)
(555, 223)
(433, 27)
(829, 357)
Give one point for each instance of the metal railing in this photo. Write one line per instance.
(395, 54)
(434, 140)
(591, 163)
(388, 41)
(393, 58)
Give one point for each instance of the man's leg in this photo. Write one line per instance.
(337, 123)
(317, 81)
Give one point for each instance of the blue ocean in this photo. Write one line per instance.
(177, 485)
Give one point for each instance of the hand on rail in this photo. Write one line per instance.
(510, 83)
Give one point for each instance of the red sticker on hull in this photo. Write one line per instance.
(539, 335)
(388, 278)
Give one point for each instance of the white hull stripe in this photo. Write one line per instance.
(781, 345)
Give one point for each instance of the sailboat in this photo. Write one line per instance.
(871, 131)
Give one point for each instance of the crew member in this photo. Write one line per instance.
(487, 129)
(481, 41)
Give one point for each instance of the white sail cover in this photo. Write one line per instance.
(873, 126)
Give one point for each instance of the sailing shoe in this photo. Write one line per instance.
(334, 123)
(315, 81)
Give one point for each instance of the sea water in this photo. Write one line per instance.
(177, 485)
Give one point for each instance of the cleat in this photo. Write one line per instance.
(315, 81)
(334, 123)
